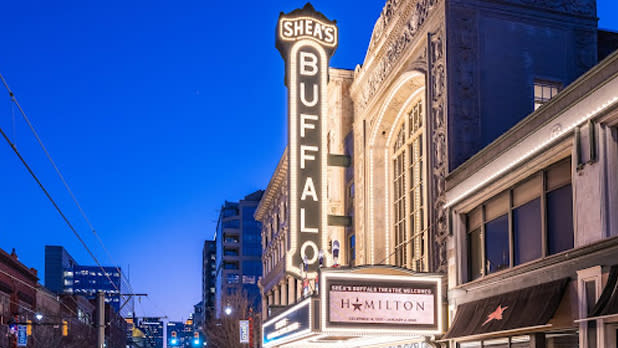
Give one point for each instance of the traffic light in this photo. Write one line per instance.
(65, 328)
(174, 339)
(196, 339)
(29, 327)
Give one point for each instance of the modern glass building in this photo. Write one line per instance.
(209, 270)
(238, 253)
(64, 276)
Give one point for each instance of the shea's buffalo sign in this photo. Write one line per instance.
(306, 40)
(380, 302)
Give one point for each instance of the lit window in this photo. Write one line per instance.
(544, 91)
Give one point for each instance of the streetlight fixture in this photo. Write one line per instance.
(228, 310)
(38, 316)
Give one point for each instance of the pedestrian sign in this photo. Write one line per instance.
(22, 335)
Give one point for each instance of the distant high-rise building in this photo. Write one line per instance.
(63, 275)
(153, 332)
(238, 252)
(209, 270)
(198, 316)
(175, 334)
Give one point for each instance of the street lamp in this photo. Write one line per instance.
(228, 310)
(38, 316)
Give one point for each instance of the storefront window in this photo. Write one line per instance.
(559, 229)
(508, 229)
(497, 244)
(527, 232)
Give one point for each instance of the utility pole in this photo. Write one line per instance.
(101, 319)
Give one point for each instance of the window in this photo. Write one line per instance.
(527, 232)
(559, 204)
(229, 239)
(509, 230)
(544, 91)
(231, 224)
(230, 252)
(409, 225)
(589, 289)
(352, 248)
(230, 265)
(233, 278)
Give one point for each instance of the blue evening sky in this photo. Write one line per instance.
(156, 112)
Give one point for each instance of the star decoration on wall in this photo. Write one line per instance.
(495, 315)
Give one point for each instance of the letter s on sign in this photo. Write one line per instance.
(287, 29)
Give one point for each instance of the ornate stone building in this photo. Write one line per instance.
(440, 80)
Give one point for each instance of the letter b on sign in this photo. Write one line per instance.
(308, 64)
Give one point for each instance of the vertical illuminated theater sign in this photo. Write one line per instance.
(306, 40)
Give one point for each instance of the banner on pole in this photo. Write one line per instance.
(22, 335)
(244, 331)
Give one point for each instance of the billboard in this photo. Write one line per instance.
(381, 302)
(306, 40)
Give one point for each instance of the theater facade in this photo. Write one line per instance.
(364, 220)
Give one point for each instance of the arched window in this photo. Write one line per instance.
(409, 223)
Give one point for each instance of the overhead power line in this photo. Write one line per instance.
(123, 276)
(59, 173)
(53, 202)
(36, 289)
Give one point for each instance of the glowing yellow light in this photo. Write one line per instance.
(331, 41)
(291, 265)
(367, 330)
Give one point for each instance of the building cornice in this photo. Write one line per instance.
(399, 25)
(11, 260)
(276, 181)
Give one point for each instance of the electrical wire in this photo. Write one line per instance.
(38, 290)
(63, 180)
(53, 202)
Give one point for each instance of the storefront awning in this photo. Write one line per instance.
(529, 307)
(607, 305)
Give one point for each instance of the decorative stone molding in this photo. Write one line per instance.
(385, 19)
(437, 105)
(391, 51)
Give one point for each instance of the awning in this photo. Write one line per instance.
(529, 307)
(607, 305)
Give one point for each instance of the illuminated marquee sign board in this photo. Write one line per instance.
(295, 322)
(306, 40)
(381, 303)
